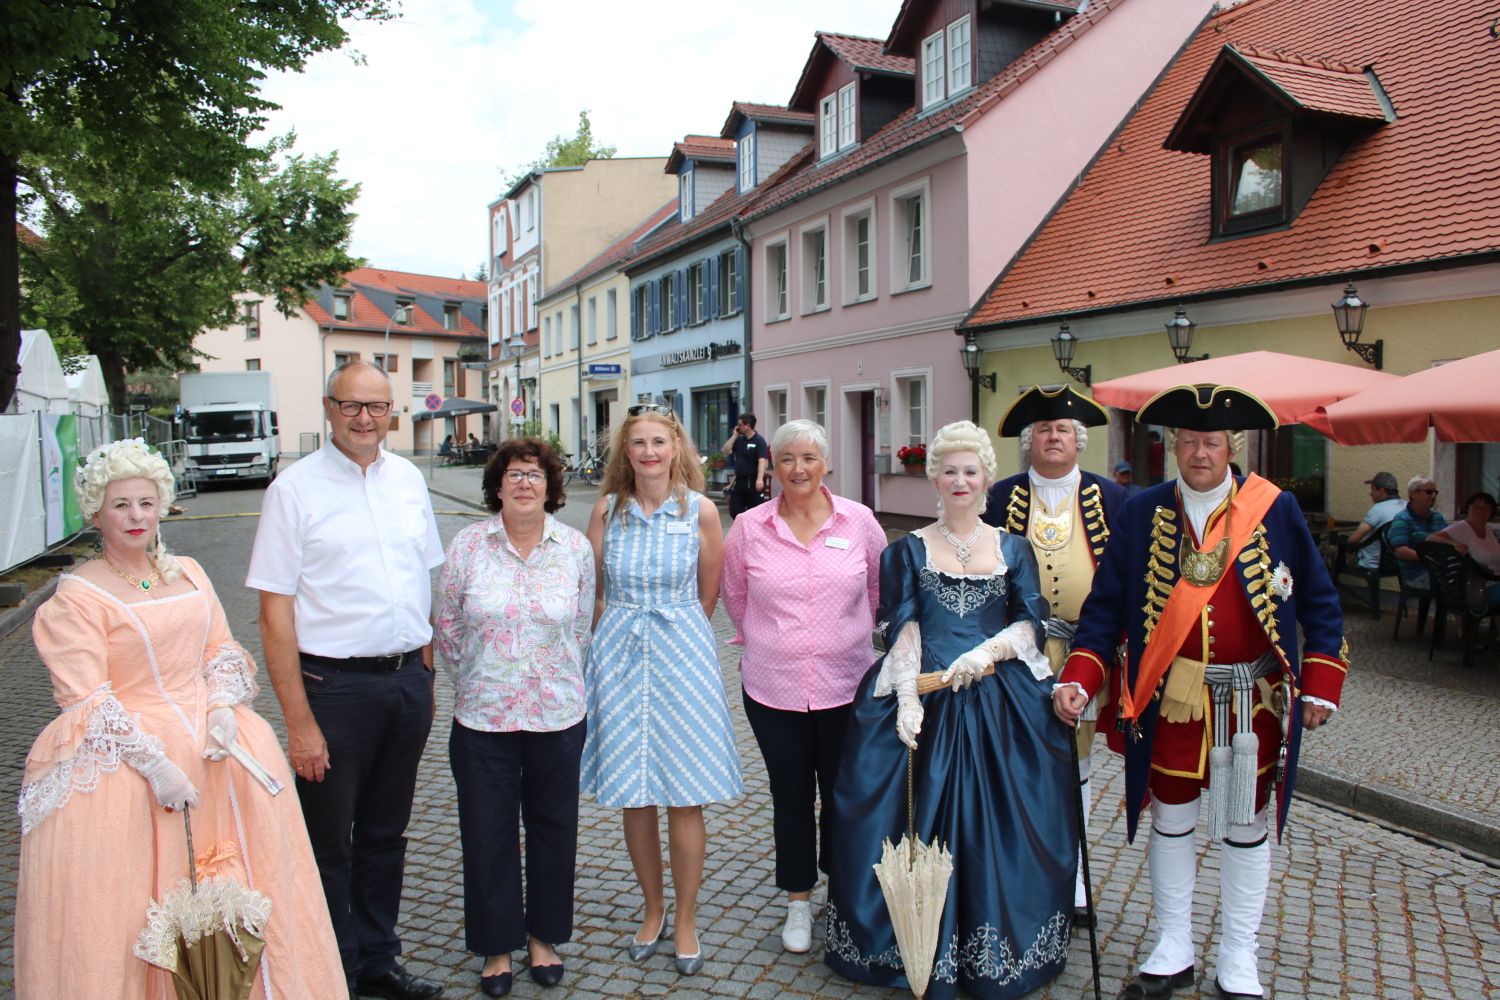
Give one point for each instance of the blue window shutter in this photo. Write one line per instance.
(633, 327)
(711, 287)
(655, 307)
(740, 277)
(680, 287)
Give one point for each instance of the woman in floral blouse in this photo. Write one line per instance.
(512, 626)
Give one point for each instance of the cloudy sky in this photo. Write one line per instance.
(458, 91)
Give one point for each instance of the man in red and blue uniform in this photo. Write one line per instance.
(1209, 576)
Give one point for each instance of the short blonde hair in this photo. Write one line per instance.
(128, 459)
(961, 435)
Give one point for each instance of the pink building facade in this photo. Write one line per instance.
(938, 154)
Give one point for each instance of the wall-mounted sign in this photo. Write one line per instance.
(602, 369)
(708, 352)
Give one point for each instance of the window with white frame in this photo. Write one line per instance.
(573, 327)
(859, 253)
(669, 318)
(913, 405)
(593, 320)
(729, 283)
(611, 316)
(342, 307)
(828, 125)
(697, 290)
(685, 195)
(959, 61)
(557, 332)
(523, 210)
(531, 208)
(934, 75)
(777, 305)
(776, 404)
(500, 237)
(815, 408)
(546, 336)
(505, 314)
(531, 302)
(746, 153)
(815, 269)
(642, 322)
(846, 116)
(911, 265)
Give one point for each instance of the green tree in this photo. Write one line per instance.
(162, 92)
(481, 273)
(133, 274)
(567, 151)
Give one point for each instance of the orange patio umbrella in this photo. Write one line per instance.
(1460, 399)
(1289, 385)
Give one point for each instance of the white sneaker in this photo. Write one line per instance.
(796, 934)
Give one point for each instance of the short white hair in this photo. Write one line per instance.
(793, 431)
(961, 435)
(1079, 431)
(1417, 482)
(129, 459)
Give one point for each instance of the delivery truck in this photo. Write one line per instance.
(230, 425)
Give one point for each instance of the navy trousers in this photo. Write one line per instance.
(802, 751)
(505, 779)
(376, 726)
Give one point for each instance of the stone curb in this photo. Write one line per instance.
(1388, 805)
(19, 615)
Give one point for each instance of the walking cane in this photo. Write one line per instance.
(1083, 849)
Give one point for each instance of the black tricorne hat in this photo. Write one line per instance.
(1050, 402)
(1207, 407)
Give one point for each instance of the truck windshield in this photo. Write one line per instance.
(230, 426)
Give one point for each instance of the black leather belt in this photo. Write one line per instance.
(365, 664)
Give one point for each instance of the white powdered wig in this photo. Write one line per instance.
(961, 435)
(128, 459)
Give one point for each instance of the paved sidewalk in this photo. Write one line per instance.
(1396, 750)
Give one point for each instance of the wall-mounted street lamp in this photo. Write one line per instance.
(969, 354)
(1063, 346)
(1349, 313)
(1180, 335)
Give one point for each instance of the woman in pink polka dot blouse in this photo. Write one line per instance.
(801, 584)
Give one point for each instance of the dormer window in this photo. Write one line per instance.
(685, 195)
(451, 316)
(947, 62)
(746, 154)
(836, 124)
(1256, 183)
(933, 74)
(341, 307)
(403, 315)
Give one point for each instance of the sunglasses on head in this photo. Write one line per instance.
(652, 409)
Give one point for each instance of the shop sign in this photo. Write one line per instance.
(707, 352)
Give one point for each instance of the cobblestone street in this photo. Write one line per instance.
(1356, 909)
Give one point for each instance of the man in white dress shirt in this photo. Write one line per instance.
(342, 559)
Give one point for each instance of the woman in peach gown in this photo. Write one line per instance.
(144, 669)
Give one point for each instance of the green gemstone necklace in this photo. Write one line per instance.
(145, 584)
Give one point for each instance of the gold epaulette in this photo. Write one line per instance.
(1093, 518)
(1161, 567)
(1255, 559)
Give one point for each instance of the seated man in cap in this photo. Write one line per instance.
(1225, 572)
(1065, 514)
(1125, 478)
(1385, 500)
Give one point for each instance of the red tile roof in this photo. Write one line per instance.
(26, 236)
(1320, 86)
(911, 128)
(366, 315)
(902, 36)
(866, 54)
(773, 113)
(618, 252)
(1410, 193)
(700, 147)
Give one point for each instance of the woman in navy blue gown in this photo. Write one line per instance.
(994, 777)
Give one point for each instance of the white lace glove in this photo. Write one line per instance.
(171, 787)
(222, 729)
(908, 711)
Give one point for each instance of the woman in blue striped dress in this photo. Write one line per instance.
(658, 720)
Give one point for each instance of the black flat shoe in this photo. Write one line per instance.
(1083, 919)
(1235, 996)
(497, 985)
(547, 975)
(398, 984)
(1151, 986)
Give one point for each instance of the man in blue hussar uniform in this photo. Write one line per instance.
(1065, 514)
(1209, 575)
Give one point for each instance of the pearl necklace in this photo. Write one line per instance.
(962, 548)
(145, 584)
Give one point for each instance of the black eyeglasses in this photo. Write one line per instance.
(1427, 491)
(351, 407)
(657, 409)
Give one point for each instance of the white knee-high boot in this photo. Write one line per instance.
(1173, 859)
(1244, 873)
(1085, 792)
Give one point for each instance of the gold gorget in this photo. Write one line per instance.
(1051, 532)
(1204, 567)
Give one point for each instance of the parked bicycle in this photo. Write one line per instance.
(588, 467)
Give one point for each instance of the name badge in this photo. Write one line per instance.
(750, 447)
(678, 528)
(835, 542)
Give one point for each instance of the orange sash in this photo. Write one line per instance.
(1186, 602)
